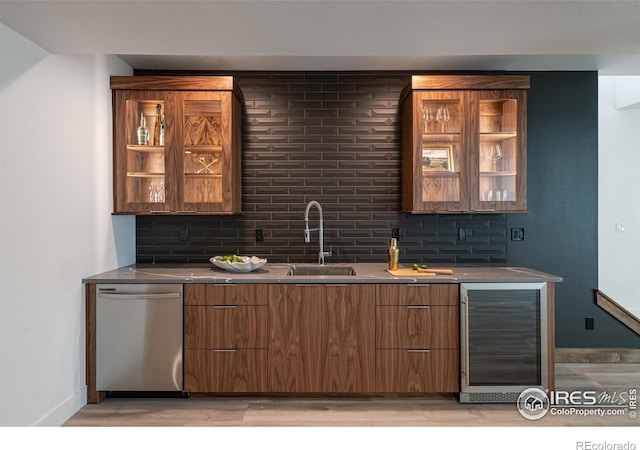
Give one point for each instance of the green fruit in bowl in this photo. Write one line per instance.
(230, 258)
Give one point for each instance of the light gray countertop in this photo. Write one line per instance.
(277, 273)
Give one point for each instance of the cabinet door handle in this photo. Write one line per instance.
(485, 210)
(117, 296)
(225, 306)
(225, 350)
(418, 350)
(417, 306)
(160, 212)
(418, 284)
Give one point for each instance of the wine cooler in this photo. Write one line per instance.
(503, 340)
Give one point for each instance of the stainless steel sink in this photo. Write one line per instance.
(321, 270)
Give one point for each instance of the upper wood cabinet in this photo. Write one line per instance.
(187, 161)
(464, 144)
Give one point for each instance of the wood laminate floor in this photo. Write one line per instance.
(431, 411)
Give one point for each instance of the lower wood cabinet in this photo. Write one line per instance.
(348, 338)
(417, 370)
(348, 348)
(225, 338)
(294, 338)
(417, 327)
(225, 370)
(417, 338)
(321, 338)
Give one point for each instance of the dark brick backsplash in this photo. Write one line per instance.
(333, 137)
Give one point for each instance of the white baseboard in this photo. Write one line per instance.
(65, 410)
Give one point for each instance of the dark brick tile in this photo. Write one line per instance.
(333, 137)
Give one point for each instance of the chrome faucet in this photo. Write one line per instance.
(320, 230)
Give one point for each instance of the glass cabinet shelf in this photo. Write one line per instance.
(489, 137)
(202, 149)
(203, 175)
(146, 148)
(498, 174)
(145, 175)
(441, 137)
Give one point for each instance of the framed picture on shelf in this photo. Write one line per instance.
(437, 158)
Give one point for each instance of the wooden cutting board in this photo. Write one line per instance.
(422, 273)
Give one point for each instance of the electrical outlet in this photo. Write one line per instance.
(517, 234)
(463, 233)
(184, 234)
(588, 323)
(395, 233)
(259, 235)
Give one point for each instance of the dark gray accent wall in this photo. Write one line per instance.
(334, 137)
(561, 228)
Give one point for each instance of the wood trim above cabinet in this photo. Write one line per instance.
(466, 82)
(177, 83)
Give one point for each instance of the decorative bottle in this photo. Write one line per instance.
(156, 129)
(143, 132)
(162, 130)
(394, 254)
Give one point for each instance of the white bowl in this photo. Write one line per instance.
(250, 263)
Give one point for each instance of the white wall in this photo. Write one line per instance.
(619, 190)
(55, 222)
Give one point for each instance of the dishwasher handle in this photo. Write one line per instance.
(115, 296)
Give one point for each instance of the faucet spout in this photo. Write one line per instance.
(320, 230)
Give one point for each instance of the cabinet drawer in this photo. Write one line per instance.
(417, 294)
(412, 326)
(224, 294)
(242, 370)
(225, 327)
(417, 371)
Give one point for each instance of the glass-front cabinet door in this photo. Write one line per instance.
(177, 145)
(439, 161)
(499, 159)
(206, 162)
(141, 182)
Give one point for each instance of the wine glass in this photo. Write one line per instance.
(427, 117)
(442, 117)
(495, 154)
(159, 194)
(152, 191)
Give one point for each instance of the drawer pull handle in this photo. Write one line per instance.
(225, 350)
(417, 306)
(418, 350)
(225, 306)
(418, 285)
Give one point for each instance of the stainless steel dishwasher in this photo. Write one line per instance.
(139, 337)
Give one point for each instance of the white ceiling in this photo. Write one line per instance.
(339, 35)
